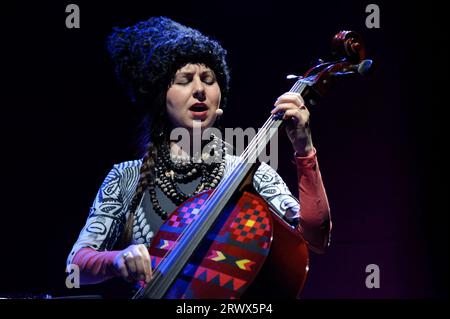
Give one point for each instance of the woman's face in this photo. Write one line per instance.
(194, 95)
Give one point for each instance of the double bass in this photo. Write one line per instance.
(227, 243)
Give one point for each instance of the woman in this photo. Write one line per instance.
(181, 78)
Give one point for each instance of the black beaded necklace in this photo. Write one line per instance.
(171, 170)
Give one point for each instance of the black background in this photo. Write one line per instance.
(66, 121)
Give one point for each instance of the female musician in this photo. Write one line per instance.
(181, 79)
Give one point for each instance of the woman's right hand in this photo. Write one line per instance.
(133, 264)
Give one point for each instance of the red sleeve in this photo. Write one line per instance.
(315, 220)
(95, 266)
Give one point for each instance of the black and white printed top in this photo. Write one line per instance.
(110, 209)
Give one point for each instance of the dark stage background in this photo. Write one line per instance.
(66, 121)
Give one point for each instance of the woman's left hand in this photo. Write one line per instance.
(296, 116)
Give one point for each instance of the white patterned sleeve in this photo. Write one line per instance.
(269, 184)
(106, 217)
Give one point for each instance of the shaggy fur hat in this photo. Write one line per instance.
(147, 55)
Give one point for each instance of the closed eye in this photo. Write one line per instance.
(209, 79)
(185, 78)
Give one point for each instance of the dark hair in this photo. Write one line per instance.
(146, 57)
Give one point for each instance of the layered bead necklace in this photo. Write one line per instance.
(171, 170)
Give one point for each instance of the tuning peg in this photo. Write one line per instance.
(294, 77)
(364, 67)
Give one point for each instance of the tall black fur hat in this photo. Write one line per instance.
(148, 54)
